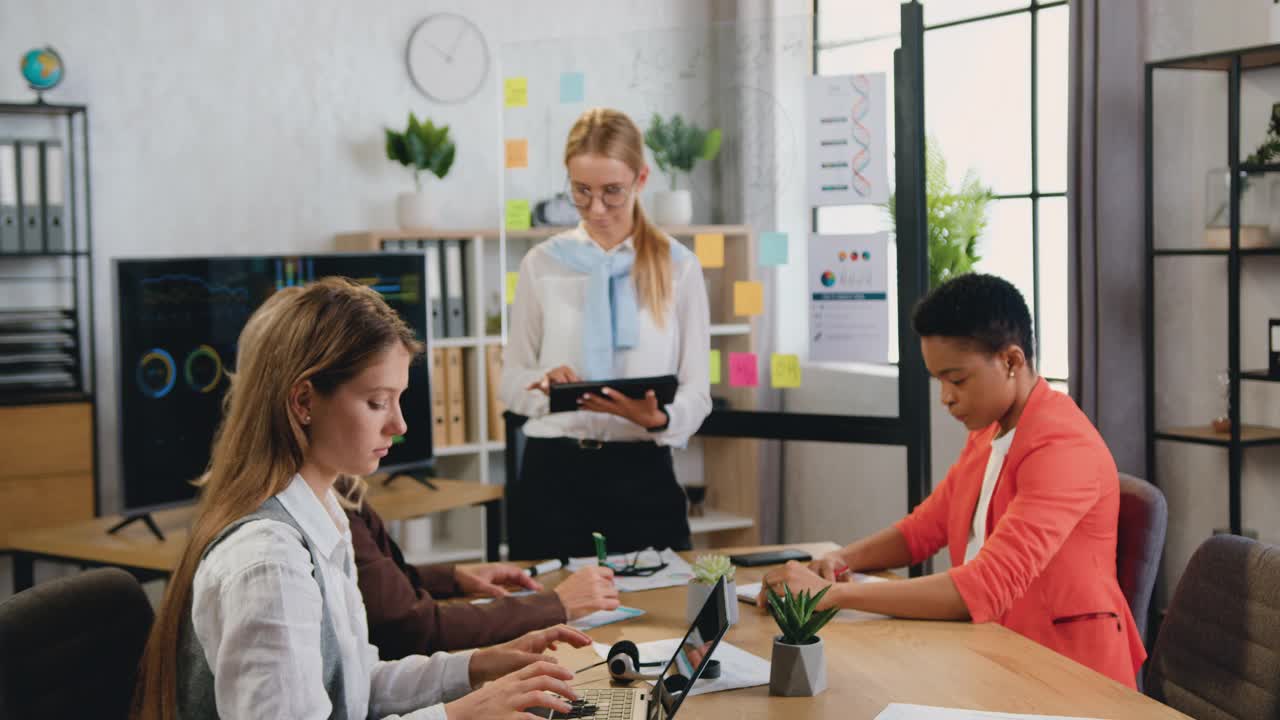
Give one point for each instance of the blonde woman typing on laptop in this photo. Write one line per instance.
(614, 297)
(263, 617)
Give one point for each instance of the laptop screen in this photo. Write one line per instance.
(690, 658)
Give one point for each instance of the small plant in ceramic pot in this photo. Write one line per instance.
(422, 147)
(707, 569)
(799, 665)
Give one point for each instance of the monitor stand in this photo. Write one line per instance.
(421, 475)
(131, 519)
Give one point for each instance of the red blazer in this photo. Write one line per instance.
(1047, 569)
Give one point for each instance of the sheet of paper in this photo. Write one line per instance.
(773, 248)
(903, 711)
(676, 573)
(848, 298)
(749, 592)
(518, 217)
(710, 249)
(515, 92)
(738, 668)
(748, 298)
(513, 280)
(784, 371)
(605, 617)
(742, 370)
(517, 153)
(572, 87)
(847, 155)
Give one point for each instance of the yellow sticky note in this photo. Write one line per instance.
(515, 92)
(518, 215)
(513, 279)
(710, 249)
(785, 371)
(715, 367)
(517, 153)
(748, 298)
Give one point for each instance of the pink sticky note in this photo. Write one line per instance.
(742, 370)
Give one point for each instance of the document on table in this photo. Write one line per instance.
(749, 593)
(605, 617)
(738, 668)
(676, 573)
(902, 711)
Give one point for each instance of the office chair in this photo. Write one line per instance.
(514, 423)
(1216, 654)
(70, 647)
(1144, 517)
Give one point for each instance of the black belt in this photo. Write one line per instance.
(591, 444)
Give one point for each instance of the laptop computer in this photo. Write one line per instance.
(663, 699)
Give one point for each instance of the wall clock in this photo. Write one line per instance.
(448, 58)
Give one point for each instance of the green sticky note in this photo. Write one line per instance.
(513, 280)
(715, 367)
(785, 371)
(518, 215)
(773, 248)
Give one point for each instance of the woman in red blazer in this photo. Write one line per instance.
(1028, 511)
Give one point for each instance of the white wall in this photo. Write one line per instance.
(243, 127)
(1191, 294)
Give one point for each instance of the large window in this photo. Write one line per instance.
(996, 106)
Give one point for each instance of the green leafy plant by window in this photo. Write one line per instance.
(422, 147)
(677, 146)
(707, 569)
(956, 218)
(796, 616)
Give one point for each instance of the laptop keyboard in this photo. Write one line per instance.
(599, 703)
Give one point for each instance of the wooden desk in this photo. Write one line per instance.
(873, 663)
(135, 549)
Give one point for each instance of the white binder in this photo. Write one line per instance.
(52, 200)
(29, 216)
(455, 293)
(10, 233)
(435, 293)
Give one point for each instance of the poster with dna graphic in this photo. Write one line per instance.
(848, 153)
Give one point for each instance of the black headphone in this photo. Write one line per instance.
(624, 663)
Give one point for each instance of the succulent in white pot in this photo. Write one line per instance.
(707, 569)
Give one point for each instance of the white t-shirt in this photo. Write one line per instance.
(978, 529)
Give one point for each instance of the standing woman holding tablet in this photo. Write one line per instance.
(613, 298)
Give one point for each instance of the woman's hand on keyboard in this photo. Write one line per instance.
(499, 660)
(540, 685)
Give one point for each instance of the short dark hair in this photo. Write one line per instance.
(986, 309)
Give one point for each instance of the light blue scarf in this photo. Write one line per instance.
(610, 318)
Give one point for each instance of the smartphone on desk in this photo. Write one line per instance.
(769, 557)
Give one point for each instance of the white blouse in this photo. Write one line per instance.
(257, 611)
(546, 332)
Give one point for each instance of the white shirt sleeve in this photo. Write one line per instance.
(524, 344)
(417, 681)
(692, 403)
(257, 612)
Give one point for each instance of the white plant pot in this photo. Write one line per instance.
(797, 670)
(697, 597)
(413, 211)
(673, 207)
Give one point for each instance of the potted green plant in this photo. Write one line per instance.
(798, 667)
(707, 569)
(422, 147)
(677, 146)
(956, 217)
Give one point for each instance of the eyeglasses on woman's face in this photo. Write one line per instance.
(613, 195)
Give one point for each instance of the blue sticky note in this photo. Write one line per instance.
(572, 87)
(773, 248)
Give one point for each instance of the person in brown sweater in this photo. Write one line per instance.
(405, 619)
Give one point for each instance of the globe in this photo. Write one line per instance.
(42, 68)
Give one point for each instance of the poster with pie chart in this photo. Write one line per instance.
(849, 298)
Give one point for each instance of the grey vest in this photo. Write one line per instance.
(195, 679)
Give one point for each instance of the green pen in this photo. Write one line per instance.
(601, 557)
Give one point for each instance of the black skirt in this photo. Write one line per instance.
(626, 490)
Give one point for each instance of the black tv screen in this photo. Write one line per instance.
(178, 321)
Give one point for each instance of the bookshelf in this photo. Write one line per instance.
(727, 466)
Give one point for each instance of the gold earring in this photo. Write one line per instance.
(307, 420)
